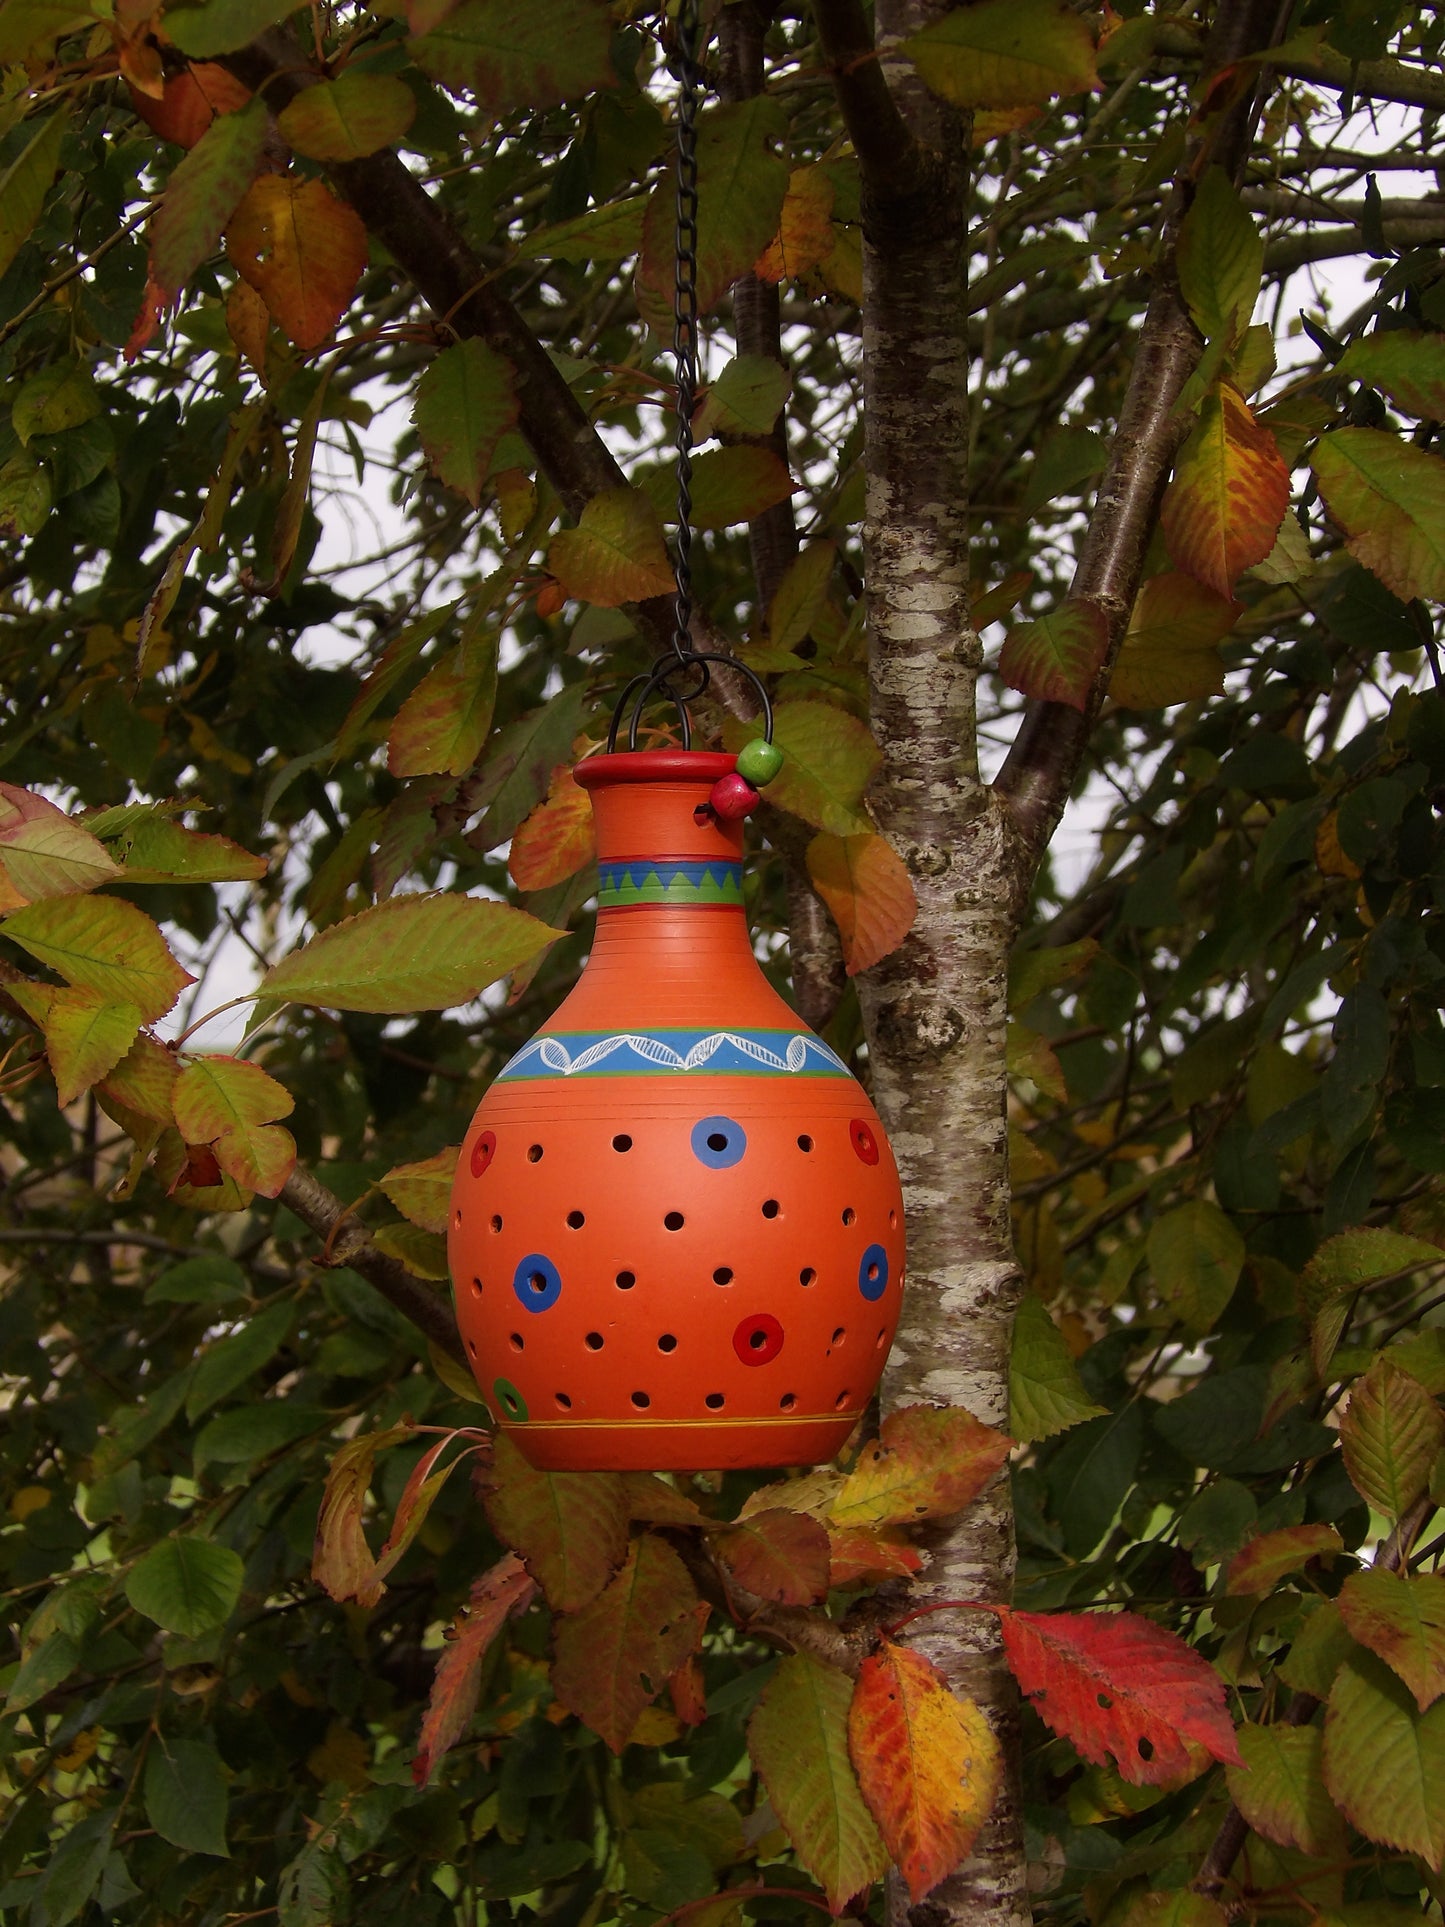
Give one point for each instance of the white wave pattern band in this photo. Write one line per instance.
(779, 1053)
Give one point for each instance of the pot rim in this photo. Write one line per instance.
(654, 766)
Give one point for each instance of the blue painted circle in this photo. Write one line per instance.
(718, 1156)
(873, 1272)
(537, 1282)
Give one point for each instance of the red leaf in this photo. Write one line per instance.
(1259, 1565)
(689, 1695)
(856, 1553)
(557, 838)
(570, 1527)
(929, 1764)
(1056, 657)
(613, 1657)
(1114, 1683)
(190, 102)
(1222, 511)
(778, 1555)
(507, 1588)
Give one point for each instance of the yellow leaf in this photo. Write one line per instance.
(1222, 511)
(302, 250)
(805, 231)
(867, 890)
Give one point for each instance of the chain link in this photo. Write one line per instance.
(684, 307)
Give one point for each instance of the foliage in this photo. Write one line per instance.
(239, 757)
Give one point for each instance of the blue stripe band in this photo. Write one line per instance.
(730, 1053)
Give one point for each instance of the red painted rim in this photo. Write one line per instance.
(654, 766)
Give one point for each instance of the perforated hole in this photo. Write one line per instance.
(873, 1272)
(757, 1340)
(476, 1287)
(516, 1342)
(472, 1346)
(893, 1219)
(641, 1401)
(849, 1214)
(496, 1221)
(537, 1281)
(805, 1143)
(534, 1154)
(839, 1334)
(723, 1275)
(674, 1221)
(626, 1280)
(702, 815)
(593, 1341)
(576, 1219)
(457, 1220)
(667, 1343)
(806, 1275)
(717, 1141)
(787, 1401)
(622, 1142)
(563, 1402)
(881, 1340)
(840, 1401)
(714, 1401)
(771, 1207)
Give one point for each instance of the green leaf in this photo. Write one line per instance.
(185, 1794)
(831, 759)
(1321, 1647)
(31, 27)
(232, 1105)
(1389, 498)
(61, 396)
(23, 187)
(85, 1037)
(45, 1666)
(610, 233)
(510, 58)
(396, 660)
(45, 853)
(801, 597)
(1358, 1257)
(154, 848)
(204, 192)
(349, 117)
(1046, 1394)
(442, 727)
(422, 1191)
(1005, 53)
(1409, 367)
(1402, 1620)
(1055, 657)
(75, 1872)
(409, 954)
(1384, 1761)
(25, 495)
(104, 945)
(209, 1280)
(230, 1361)
(221, 26)
(729, 485)
(254, 1432)
(1390, 1434)
(570, 1527)
(518, 770)
(1170, 653)
(798, 1739)
(613, 1657)
(1221, 259)
(464, 404)
(187, 1585)
(1196, 1256)
(746, 398)
(1280, 1788)
(615, 554)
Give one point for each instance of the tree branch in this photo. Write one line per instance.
(1323, 67)
(892, 163)
(347, 1243)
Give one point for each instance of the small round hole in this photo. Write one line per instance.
(787, 1401)
(496, 1221)
(476, 1287)
(537, 1281)
(563, 1401)
(472, 1346)
(714, 1401)
(716, 1141)
(771, 1207)
(805, 1143)
(667, 1343)
(457, 1220)
(873, 1273)
(702, 815)
(893, 1219)
(849, 1214)
(806, 1275)
(881, 1339)
(757, 1340)
(674, 1221)
(641, 1401)
(626, 1280)
(576, 1219)
(515, 1341)
(622, 1142)
(534, 1154)
(839, 1334)
(593, 1341)
(723, 1275)
(840, 1401)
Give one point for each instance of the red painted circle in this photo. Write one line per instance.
(864, 1142)
(759, 1339)
(483, 1151)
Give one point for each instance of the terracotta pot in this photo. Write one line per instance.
(676, 1231)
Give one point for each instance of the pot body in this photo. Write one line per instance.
(676, 1235)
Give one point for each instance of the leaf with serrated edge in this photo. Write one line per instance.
(1402, 1621)
(868, 892)
(614, 1656)
(408, 954)
(830, 757)
(1119, 1685)
(615, 554)
(1408, 366)
(732, 485)
(152, 848)
(802, 595)
(302, 250)
(1046, 1394)
(798, 1739)
(25, 183)
(465, 403)
(1221, 258)
(927, 1461)
(570, 1527)
(203, 193)
(143, 1080)
(1280, 1788)
(507, 1589)
(1389, 1435)
(805, 227)
(1263, 1561)
(557, 839)
(349, 117)
(86, 1037)
(1177, 1908)
(46, 853)
(779, 1555)
(1170, 653)
(1196, 1256)
(422, 1191)
(1005, 53)
(510, 58)
(186, 1584)
(609, 233)
(233, 1106)
(1055, 657)
(1222, 511)
(927, 1763)
(651, 1501)
(812, 1492)
(865, 1553)
(1389, 498)
(746, 399)
(105, 945)
(342, 1562)
(1385, 1760)
(1358, 1257)
(442, 727)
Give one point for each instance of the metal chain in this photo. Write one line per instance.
(684, 308)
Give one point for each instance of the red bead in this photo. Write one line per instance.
(733, 797)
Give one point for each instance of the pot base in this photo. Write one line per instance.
(713, 1445)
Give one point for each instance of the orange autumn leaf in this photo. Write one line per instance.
(805, 227)
(557, 839)
(507, 1589)
(928, 1764)
(867, 890)
(190, 101)
(1222, 511)
(302, 250)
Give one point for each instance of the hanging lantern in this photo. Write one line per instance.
(676, 1230)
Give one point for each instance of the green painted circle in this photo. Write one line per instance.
(759, 762)
(513, 1405)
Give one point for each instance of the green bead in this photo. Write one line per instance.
(759, 762)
